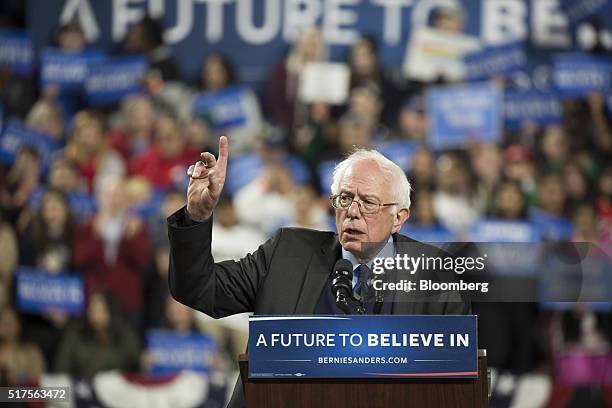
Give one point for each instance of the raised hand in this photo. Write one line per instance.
(206, 183)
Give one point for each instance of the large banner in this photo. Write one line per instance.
(256, 33)
(366, 346)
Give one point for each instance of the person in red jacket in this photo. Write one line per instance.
(164, 163)
(112, 249)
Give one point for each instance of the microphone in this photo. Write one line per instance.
(342, 284)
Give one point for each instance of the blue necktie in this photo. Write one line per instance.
(362, 287)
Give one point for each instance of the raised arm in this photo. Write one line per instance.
(217, 289)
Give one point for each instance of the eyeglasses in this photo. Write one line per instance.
(344, 201)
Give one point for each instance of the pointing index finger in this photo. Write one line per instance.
(223, 152)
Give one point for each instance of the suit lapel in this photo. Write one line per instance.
(319, 268)
(403, 302)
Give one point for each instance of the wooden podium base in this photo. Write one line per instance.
(365, 392)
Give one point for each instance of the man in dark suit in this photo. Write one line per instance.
(290, 273)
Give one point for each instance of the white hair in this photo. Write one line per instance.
(395, 175)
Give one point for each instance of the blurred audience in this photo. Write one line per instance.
(21, 363)
(99, 341)
(89, 150)
(281, 92)
(112, 248)
(96, 207)
(136, 127)
(47, 241)
(164, 164)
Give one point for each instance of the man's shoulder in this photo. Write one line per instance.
(306, 234)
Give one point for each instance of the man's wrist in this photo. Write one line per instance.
(191, 219)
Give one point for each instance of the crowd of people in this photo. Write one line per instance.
(98, 208)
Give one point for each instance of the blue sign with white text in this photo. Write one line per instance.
(363, 346)
(493, 230)
(462, 113)
(502, 60)
(110, 81)
(67, 71)
(538, 107)
(577, 75)
(39, 292)
(221, 109)
(172, 352)
(16, 51)
(17, 134)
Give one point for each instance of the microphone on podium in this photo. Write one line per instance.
(342, 284)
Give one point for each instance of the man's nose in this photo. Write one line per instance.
(354, 211)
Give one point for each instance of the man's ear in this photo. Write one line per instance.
(400, 218)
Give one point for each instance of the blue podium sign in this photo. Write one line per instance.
(363, 346)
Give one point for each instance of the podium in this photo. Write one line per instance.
(366, 392)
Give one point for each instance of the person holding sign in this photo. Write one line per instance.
(290, 273)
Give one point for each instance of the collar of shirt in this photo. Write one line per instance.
(387, 251)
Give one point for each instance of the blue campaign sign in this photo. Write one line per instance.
(38, 292)
(16, 51)
(66, 70)
(542, 108)
(501, 60)
(16, 134)
(363, 346)
(222, 109)
(399, 152)
(577, 74)
(173, 352)
(551, 227)
(460, 113)
(109, 81)
(492, 230)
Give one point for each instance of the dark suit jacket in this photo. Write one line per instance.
(284, 276)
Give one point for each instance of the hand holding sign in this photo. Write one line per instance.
(206, 183)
